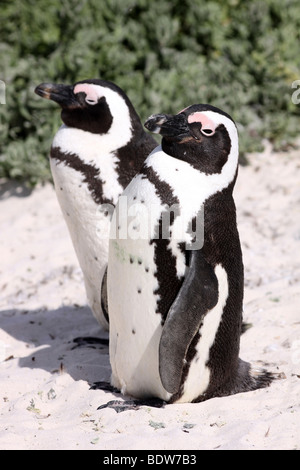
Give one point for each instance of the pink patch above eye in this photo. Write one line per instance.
(207, 124)
(91, 94)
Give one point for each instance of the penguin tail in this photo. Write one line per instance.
(251, 378)
(261, 377)
(245, 379)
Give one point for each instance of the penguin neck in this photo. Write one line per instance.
(189, 185)
(90, 147)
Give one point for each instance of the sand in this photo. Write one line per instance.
(45, 376)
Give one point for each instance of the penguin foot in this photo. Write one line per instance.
(106, 386)
(90, 342)
(119, 406)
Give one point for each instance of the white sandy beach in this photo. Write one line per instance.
(45, 396)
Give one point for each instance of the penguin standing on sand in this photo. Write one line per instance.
(94, 155)
(175, 291)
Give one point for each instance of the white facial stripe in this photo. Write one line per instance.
(218, 118)
(91, 94)
(229, 169)
(121, 125)
(204, 120)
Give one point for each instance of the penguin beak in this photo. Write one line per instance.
(61, 94)
(168, 125)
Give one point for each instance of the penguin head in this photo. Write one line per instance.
(91, 105)
(202, 135)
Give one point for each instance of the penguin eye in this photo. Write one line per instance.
(90, 101)
(208, 132)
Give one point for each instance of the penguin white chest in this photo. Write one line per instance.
(88, 226)
(135, 327)
(84, 177)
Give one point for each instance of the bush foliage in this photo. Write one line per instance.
(240, 56)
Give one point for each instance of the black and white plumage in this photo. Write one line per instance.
(94, 155)
(176, 312)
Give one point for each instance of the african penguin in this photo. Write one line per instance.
(175, 269)
(94, 155)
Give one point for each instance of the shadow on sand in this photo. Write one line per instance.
(67, 339)
(15, 188)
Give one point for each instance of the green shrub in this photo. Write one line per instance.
(240, 56)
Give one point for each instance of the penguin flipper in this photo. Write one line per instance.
(197, 295)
